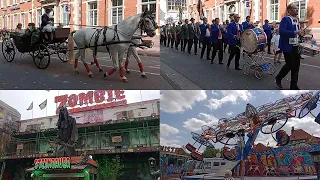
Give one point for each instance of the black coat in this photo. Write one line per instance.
(44, 20)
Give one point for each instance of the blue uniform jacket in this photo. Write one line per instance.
(267, 29)
(232, 31)
(246, 26)
(203, 29)
(286, 31)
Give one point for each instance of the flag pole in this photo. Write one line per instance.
(32, 111)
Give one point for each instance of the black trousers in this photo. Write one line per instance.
(218, 46)
(172, 41)
(235, 51)
(185, 42)
(205, 44)
(269, 44)
(178, 42)
(169, 40)
(165, 40)
(161, 39)
(292, 60)
(193, 42)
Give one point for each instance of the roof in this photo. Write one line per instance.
(300, 134)
(260, 148)
(9, 108)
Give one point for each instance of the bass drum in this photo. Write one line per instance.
(253, 40)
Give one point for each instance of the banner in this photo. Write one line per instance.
(30, 107)
(43, 105)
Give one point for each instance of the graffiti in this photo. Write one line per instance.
(293, 159)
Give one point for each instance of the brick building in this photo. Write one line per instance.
(73, 13)
(259, 10)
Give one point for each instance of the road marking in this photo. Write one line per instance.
(154, 67)
(300, 63)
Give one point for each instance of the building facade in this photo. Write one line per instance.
(73, 13)
(259, 10)
(170, 11)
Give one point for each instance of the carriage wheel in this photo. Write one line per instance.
(274, 123)
(63, 52)
(228, 137)
(259, 73)
(8, 50)
(41, 56)
(271, 69)
(246, 69)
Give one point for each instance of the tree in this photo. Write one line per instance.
(211, 152)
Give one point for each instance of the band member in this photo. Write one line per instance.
(225, 37)
(276, 50)
(169, 35)
(290, 31)
(165, 32)
(205, 33)
(247, 25)
(178, 36)
(192, 36)
(217, 43)
(268, 30)
(173, 31)
(185, 34)
(234, 31)
(162, 35)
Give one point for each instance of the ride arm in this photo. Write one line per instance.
(250, 142)
(283, 29)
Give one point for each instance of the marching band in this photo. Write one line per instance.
(217, 37)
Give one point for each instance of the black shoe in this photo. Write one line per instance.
(278, 82)
(294, 87)
(195, 54)
(220, 62)
(228, 66)
(209, 59)
(238, 68)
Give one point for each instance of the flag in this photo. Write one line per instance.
(30, 107)
(43, 105)
(180, 14)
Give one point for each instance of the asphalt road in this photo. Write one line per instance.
(23, 74)
(183, 71)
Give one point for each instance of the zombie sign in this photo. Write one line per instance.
(52, 163)
(99, 99)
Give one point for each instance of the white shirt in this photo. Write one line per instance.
(207, 32)
(275, 39)
(294, 41)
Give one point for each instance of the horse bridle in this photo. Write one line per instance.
(142, 24)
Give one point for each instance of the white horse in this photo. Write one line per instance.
(116, 38)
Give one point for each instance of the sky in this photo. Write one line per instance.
(21, 99)
(183, 112)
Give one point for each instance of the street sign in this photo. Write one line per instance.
(247, 5)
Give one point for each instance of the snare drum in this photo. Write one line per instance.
(309, 49)
(253, 40)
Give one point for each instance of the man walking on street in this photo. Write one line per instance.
(165, 32)
(192, 34)
(178, 36)
(205, 35)
(173, 31)
(234, 31)
(185, 34)
(225, 37)
(169, 34)
(267, 29)
(217, 43)
(290, 31)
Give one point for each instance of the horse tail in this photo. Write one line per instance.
(71, 47)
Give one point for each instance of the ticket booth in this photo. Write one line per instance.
(64, 168)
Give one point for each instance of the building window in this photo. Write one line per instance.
(15, 21)
(2, 3)
(274, 11)
(14, 1)
(174, 4)
(39, 14)
(117, 11)
(23, 20)
(221, 13)
(93, 14)
(9, 23)
(65, 16)
(30, 17)
(302, 8)
(8, 2)
(3, 25)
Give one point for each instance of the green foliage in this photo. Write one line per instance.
(211, 152)
(109, 167)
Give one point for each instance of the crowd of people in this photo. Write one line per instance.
(216, 37)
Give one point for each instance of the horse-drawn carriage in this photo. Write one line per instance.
(40, 51)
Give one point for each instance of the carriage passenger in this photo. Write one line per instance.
(33, 32)
(19, 29)
(46, 24)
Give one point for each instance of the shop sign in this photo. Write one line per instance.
(116, 139)
(52, 163)
(14, 8)
(99, 99)
(20, 146)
